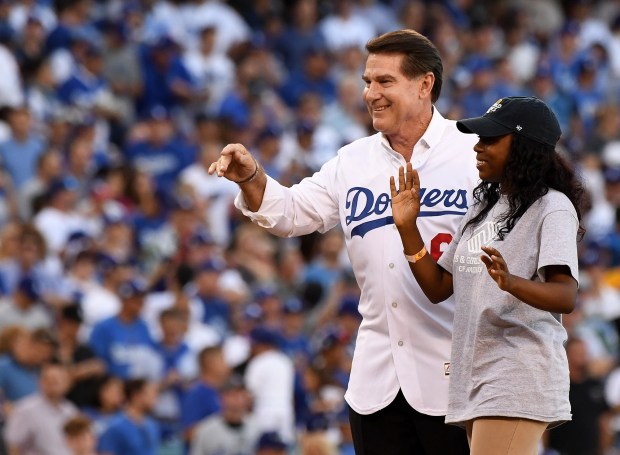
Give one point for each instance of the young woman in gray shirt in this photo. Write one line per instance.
(512, 268)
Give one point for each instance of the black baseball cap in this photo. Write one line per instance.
(524, 115)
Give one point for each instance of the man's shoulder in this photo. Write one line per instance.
(30, 404)
(352, 149)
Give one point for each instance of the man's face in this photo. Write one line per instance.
(393, 101)
(54, 382)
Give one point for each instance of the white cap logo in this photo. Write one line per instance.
(495, 106)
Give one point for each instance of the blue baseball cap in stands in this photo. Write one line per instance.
(131, 288)
(264, 292)
(62, 184)
(201, 237)
(331, 338)
(293, 305)
(29, 287)
(270, 131)
(253, 312)
(214, 265)
(527, 116)
(270, 440)
(265, 335)
(477, 64)
(165, 43)
(157, 112)
(612, 175)
(317, 422)
(349, 306)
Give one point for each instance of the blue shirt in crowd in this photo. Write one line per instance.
(16, 380)
(199, 402)
(20, 158)
(127, 349)
(164, 162)
(157, 82)
(127, 437)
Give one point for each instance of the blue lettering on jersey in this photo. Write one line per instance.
(361, 203)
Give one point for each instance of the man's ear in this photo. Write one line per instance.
(426, 85)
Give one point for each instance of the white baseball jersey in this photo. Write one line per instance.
(404, 340)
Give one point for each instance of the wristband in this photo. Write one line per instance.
(413, 258)
(251, 177)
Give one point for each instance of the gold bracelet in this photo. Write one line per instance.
(251, 177)
(413, 258)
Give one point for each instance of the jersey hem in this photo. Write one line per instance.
(383, 405)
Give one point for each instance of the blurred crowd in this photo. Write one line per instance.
(141, 314)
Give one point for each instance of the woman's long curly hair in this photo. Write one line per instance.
(532, 168)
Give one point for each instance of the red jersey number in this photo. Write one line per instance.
(437, 242)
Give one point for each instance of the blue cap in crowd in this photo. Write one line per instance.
(214, 265)
(293, 305)
(270, 440)
(201, 237)
(62, 184)
(253, 311)
(131, 288)
(265, 335)
(317, 422)
(330, 339)
(349, 305)
(264, 292)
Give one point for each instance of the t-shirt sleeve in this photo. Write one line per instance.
(558, 242)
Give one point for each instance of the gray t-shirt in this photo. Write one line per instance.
(508, 358)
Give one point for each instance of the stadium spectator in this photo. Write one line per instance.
(133, 431)
(84, 367)
(202, 399)
(231, 431)
(36, 423)
(123, 341)
(107, 400)
(79, 436)
(19, 153)
(269, 377)
(25, 308)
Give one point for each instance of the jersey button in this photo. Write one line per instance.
(391, 265)
(400, 343)
(394, 304)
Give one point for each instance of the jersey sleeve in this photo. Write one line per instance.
(558, 242)
(447, 258)
(301, 209)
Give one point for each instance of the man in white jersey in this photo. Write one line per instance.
(397, 392)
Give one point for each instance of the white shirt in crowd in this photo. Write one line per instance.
(56, 226)
(11, 93)
(35, 426)
(270, 378)
(404, 341)
(215, 72)
(220, 194)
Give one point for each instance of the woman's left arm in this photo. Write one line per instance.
(557, 294)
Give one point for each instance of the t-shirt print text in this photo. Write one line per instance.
(482, 236)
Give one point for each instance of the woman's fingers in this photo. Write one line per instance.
(393, 187)
(409, 177)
